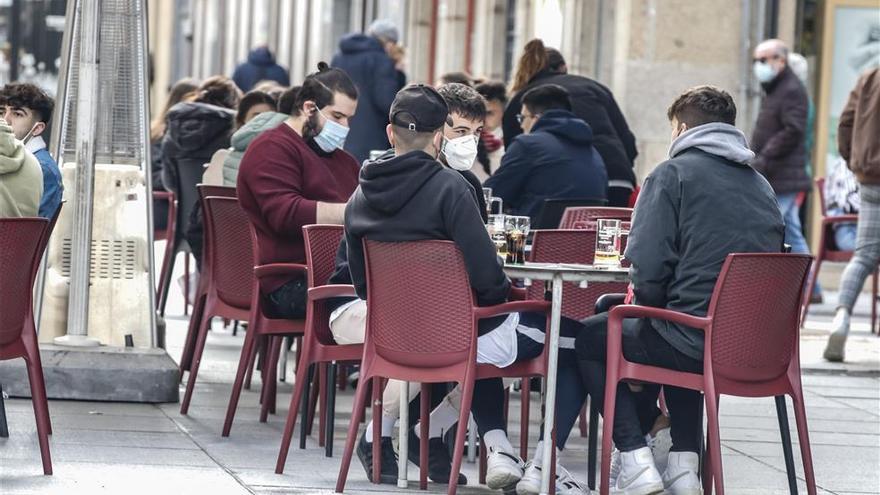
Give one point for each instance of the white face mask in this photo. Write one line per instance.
(763, 72)
(460, 152)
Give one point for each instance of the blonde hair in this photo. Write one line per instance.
(533, 60)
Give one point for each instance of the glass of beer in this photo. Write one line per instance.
(496, 226)
(517, 230)
(607, 242)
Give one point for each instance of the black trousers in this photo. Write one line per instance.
(635, 410)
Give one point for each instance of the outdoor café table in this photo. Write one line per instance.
(554, 274)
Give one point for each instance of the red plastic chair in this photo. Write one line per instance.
(226, 282)
(22, 242)
(828, 251)
(427, 333)
(322, 242)
(262, 328)
(752, 350)
(584, 217)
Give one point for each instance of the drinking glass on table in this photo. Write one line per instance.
(517, 230)
(496, 227)
(607, 242)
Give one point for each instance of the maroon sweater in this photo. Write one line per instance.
(280, 182)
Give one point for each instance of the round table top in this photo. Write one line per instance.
(570, 272)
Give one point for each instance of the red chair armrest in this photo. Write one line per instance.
(328, 291)
(517, 294)
(634, 311)
(512, 307)
(840, 219)
(167, 196)
(274, 269)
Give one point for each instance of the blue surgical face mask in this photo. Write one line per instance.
(332, 136)
(763, 72)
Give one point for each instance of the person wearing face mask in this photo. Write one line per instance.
(554, 158)
(28, 109)
(410, 196)
(297, 174)
(779, 138)
(694, 209)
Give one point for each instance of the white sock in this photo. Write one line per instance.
(497, 440)
(387, 428)
(441, 420)
(841, 321)
(539, 454)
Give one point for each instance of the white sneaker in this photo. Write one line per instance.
(503, 470)
(638, 475)
(530, 484)
(660, 445)
(615, 466)
(682, 474)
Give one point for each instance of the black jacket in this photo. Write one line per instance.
(780, 131)
(556, 160)
(372, 70)
(194, 132)
(694, 210)
(413, 197)
(260, 66)
(595, 104)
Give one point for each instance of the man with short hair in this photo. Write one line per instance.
(411, 196)
(28, 110)
(366, 58)
(553, 158)
(491, 139)
(697, 207)
(779, 137)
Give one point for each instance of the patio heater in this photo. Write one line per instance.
(95, 301)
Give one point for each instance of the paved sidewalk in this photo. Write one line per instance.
(136, 448)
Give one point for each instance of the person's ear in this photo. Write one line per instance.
(309, 108)
(39, 127)
(390, 135)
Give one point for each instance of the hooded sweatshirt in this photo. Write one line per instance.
(556, 160)
(243, 137)
(21, 180)
(260, 66)
(694, 209)
(413, 197)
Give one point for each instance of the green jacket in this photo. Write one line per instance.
(243, 137)
(21, 178)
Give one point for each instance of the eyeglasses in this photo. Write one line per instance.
(521, 117)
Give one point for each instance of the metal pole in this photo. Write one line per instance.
(84, 187)
(14, 39)
(147, 167)
(403, 431)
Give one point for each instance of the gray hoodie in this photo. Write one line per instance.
(694, 209)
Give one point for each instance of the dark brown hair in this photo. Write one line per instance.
(30, 96)
(176, 94)
(250, 100)
(320, 87)
(533, 60)
(219, 91)
(702, 105)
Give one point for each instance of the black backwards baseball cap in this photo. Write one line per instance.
(419, 108)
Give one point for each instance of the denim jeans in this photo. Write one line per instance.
(488, 402)
(793, 233)
(641, 344)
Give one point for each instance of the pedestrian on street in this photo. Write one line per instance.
(260, 66)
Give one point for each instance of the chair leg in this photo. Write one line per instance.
(322, 399)
(4, 428)
(167, 270)
(525, 403)
(377, 429)
(592, 444)
(308, 373)
(252, 358)
(243, 364)
(197, 358)
(582, 421)
(313, 399)
(424, 419)
(357, 412)
(463, 414)
(874, 288)
(608, 429)
(300, 386)
(714, 441)
(814, 274)
(192, 330)
(782, 416)
(271, 376)
(39, 400)
(282, 361)
(330, 409)
(185, 284)
(800, 415)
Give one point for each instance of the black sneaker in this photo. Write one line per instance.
(388, 473)
(439, 460)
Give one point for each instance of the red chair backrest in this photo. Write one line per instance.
(570, 246)
(229, 250)
(206, 190)
(20, 240)
(820, 185)
(322, 242)
(420, 303)
(584, 217)
(755, 309)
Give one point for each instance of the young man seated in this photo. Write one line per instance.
(694, 209)
(411, 196)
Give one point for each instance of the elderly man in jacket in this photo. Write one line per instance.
(779, 138)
